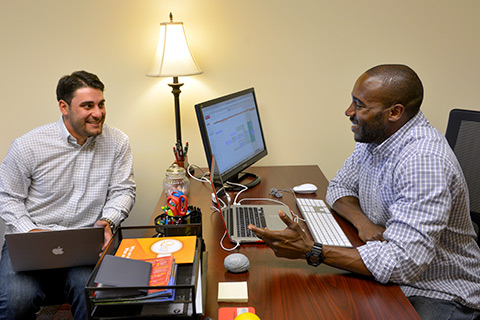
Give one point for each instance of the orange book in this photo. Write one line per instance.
(182, 248)
(161, 273)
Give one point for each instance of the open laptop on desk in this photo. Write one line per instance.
(54, 249)
(236, 218)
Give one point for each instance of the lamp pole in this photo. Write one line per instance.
(176, 94)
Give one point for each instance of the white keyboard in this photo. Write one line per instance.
(321, 223)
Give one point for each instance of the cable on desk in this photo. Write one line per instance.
(214, 208)
(226, 249)
(244, 188)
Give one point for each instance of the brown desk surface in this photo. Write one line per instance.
(280, 288)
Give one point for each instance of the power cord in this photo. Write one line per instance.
(228, 249)
(244, 188)
(203, 177)
(214, 208)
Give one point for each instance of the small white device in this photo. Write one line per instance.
(214, 199)
(305, 188)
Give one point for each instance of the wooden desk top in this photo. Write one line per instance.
(280, 288)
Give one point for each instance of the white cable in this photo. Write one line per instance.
(244, 188)
(226, 249)
(203, 178)
(214, 208)
(223, 205)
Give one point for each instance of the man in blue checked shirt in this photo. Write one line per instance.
(404, 191)
(73, 173)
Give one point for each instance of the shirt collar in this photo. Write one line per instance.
(387, 146)
(67, 137)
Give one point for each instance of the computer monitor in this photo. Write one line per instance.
(231, 129)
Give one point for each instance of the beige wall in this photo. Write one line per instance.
(301, 56)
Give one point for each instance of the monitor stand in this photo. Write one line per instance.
(252, 179)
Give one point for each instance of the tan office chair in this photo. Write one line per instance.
(463, 135)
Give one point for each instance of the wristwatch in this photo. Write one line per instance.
(110, 222)
(314, 257)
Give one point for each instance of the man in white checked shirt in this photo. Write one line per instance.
(74, 173)
(404, 191)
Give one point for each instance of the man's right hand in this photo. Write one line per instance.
(291, 242)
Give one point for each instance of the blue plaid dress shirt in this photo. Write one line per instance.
(413, 185)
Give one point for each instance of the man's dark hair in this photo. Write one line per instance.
(402, 85)
(67, 85)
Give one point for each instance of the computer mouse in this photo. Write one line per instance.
(236, 263)
(305, 188)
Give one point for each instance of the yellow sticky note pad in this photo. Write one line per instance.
(232, 291)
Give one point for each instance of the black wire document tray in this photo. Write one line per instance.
(186, 302)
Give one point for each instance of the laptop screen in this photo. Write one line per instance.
(218, 188)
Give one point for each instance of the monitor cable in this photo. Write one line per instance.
(202, 178)
(244, 188)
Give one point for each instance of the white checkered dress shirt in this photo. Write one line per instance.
(413, 185)
(48, 181)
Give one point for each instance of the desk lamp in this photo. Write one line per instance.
(173, 58)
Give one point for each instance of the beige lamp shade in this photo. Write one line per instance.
(173, 57)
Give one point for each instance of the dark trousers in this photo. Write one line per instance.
(436, 309)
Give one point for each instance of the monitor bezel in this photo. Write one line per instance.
(235, 173)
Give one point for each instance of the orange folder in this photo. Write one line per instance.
(182, 248)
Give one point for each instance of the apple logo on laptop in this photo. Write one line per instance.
(57, 251)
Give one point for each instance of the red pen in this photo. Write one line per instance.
(175, 153)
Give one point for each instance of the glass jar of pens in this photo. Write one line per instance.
(176, 179)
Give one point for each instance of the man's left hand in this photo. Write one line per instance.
(291, 243)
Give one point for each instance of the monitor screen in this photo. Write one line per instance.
(231, 130)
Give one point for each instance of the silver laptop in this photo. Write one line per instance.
(54, 249)
(236, 218)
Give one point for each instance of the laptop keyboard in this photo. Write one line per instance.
(249, 215)
(321, 223)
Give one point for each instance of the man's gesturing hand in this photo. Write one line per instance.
(291, 243)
